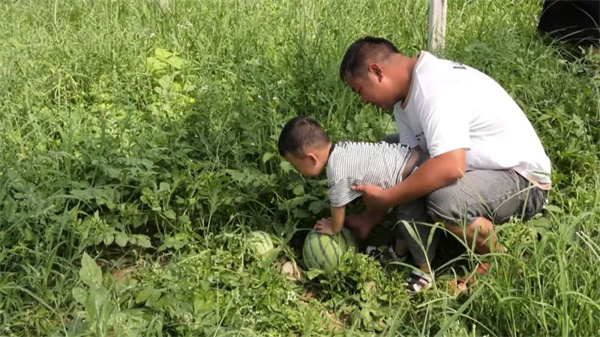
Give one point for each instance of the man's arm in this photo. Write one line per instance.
(435, 173)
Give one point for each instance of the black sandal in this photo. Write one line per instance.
(418, 281)
(386, 256)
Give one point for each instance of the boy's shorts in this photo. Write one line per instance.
(418, 231)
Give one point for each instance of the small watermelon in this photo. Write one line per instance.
(322, 251)
(260, 243)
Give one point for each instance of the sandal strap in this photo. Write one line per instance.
(419, 275)
(417, 280)
(394, 257)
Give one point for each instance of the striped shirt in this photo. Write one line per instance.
(351, 163)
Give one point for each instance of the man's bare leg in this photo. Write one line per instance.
(486, 242)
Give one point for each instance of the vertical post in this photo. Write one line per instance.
(437, 25)
(164, 4)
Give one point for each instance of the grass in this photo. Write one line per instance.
(138, 149)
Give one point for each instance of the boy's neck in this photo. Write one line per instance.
(326, 152)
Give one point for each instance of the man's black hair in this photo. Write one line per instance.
(363, 49)
(299, 133)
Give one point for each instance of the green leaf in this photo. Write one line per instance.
(90, 273)
(164, 187)
(165, 82)
(170, 214)
(554, 209)
(79, 294)
(312, 273)
(152, 64)
(286, 166)
(139, 220)
(267, 156)
(175, 62)
(143, 241)
(316, 207)
(162, 54)
(121, 239)
(108, 238)
(298, 190)
(148, 295)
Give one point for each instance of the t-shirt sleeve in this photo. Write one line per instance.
(445, 124)
(341, 192)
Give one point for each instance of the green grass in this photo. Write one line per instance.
(138, 149)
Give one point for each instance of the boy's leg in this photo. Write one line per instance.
(361, 224)
(416, 232)
(415, 213)
(470, 207)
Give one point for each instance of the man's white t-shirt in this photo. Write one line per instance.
(452, 106)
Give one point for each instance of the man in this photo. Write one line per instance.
(484, 161)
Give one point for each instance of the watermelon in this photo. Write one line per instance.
(324, 252)
(259, 243)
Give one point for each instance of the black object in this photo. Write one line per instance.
(572, 21)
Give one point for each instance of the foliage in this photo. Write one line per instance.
(138, 148)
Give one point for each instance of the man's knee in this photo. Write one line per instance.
(451, 205)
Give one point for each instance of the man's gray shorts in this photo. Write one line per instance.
(494, 194)
(497, 195)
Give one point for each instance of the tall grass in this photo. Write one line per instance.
(146, 138)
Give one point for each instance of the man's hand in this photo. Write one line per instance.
(375, 197)
(324, 226)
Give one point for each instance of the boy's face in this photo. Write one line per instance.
(374, 87)
(307, 164)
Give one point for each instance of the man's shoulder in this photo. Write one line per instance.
(435, 71)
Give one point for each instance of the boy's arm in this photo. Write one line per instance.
(338, 215)
(333, 225)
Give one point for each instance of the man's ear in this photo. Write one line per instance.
(375, 70)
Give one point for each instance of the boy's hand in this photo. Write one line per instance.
(374, 196)
(324, 226)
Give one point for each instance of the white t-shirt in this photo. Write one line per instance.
(452, 106)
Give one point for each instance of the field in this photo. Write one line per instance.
(138, 150)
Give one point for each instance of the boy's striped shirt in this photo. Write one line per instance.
(352, 163)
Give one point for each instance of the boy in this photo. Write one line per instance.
(484, 161)
(304, 143)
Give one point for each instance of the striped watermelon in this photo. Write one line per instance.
(324, 252)
(260, 243)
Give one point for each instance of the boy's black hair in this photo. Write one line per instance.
(363, 49)
(300, 132)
